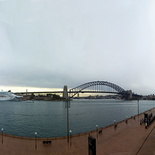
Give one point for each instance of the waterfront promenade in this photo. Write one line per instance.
(127, 139)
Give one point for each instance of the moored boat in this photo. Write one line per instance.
(8, 96)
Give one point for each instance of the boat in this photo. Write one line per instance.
(29, 101)
(8, 96)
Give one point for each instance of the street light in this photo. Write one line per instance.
(115, 125)
(97, 131)
(138, 107)
(67, 107)
(2, 135)
(70, 131)
(126, 120)
(114, 122)
(35, 140)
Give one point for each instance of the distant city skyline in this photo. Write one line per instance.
(49, 44)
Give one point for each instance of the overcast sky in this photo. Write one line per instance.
(52, 43)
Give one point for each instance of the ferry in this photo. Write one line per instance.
(8, 96)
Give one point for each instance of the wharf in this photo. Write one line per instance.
(127, 139)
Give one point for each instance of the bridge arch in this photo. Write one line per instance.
(79, 89)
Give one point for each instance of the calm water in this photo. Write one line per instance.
(49, 118)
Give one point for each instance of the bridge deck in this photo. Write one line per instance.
(52, 92)
(127, 139)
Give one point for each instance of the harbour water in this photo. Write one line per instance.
(49, 118)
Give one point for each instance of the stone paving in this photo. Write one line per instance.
(127, 139)
(148, 147)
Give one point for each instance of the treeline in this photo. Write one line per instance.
(47, 97)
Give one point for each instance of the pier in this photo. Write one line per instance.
(127, 138)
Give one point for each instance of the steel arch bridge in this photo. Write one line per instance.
(80, 89)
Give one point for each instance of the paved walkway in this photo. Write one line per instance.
(127, 139)
(148, 147)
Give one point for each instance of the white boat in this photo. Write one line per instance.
(29, 101)
(8, 96)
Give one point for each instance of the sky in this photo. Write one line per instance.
(51, 43)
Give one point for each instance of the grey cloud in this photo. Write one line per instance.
(53, 43)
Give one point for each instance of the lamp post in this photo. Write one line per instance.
(138, 107)
(67, 107)
(35, 140)
(115, 125)
(67, 98)
(70, 131)
(126, 120)
(2, 135)
(97, 131)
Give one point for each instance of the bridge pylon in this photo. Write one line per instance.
(130, 94)
(65, 92)
(127, 95)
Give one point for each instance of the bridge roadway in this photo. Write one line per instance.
(128, 139)
(70, 92)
